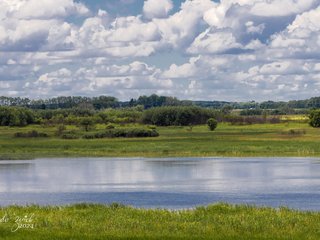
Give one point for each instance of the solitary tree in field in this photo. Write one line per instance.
(314, 117)
(212, 124)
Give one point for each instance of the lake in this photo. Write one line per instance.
(172, 183)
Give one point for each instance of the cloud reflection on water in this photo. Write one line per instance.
(163, 175)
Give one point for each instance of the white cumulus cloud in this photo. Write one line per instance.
(156, 8)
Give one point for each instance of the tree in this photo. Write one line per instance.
(87, 123)
(314, 117)
(212, 124)
(226, 109)
(16, 116)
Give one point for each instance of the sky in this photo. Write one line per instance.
(232, 50)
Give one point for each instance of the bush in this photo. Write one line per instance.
(69, 136)
(88, 136)
(212, 124)
(120, 116)
(240, 120)
(31, 134)
(125, 133)
(295, 132)
(314, 117)
(87, 123)
(110, 126)
(60, 129)
(177, 116)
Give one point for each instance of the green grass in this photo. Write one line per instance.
(226, 140)
(220, 221)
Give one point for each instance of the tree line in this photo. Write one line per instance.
(103, 102)
(97, 103)
(159, 116)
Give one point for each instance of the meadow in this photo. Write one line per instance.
(219, 221)
(290, 138)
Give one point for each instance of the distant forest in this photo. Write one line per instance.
(103, 102)
(154, 110)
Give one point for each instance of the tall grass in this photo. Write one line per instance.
(220, 221)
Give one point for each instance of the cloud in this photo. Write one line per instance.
(157, 9)
(280, 68)
(180, 29)
(255, 19)
(225, 50)
(301, 38)
(29, 25)
(26, 35)
(198, 67)
(95, 79)
(211, 42)
(45, 9)
(280, 7)
(131, 36)
(251, 28)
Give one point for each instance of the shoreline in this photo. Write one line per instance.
(18, 157)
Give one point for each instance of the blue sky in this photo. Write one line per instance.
(234, 50)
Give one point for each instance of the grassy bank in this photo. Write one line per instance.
(284, 139)
(218, 221)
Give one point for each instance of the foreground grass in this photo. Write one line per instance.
(220, 221)
(284, 139)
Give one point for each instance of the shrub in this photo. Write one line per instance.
(212, 124)
(177, 116)
(72, 120)
(125, 133)
(69, 136)
(240, 120)
(314, 118)
(120, 116)
(88, 136)
(60, 129)
(110, 126)
(134, 132)
(87, 123)
(296, 132)
(31, 134)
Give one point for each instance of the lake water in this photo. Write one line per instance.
(163, 183)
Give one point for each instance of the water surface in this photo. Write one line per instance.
(163, 183)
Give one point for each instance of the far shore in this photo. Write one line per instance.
(291, 139)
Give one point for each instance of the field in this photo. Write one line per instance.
(293, 138)
(220, 221)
